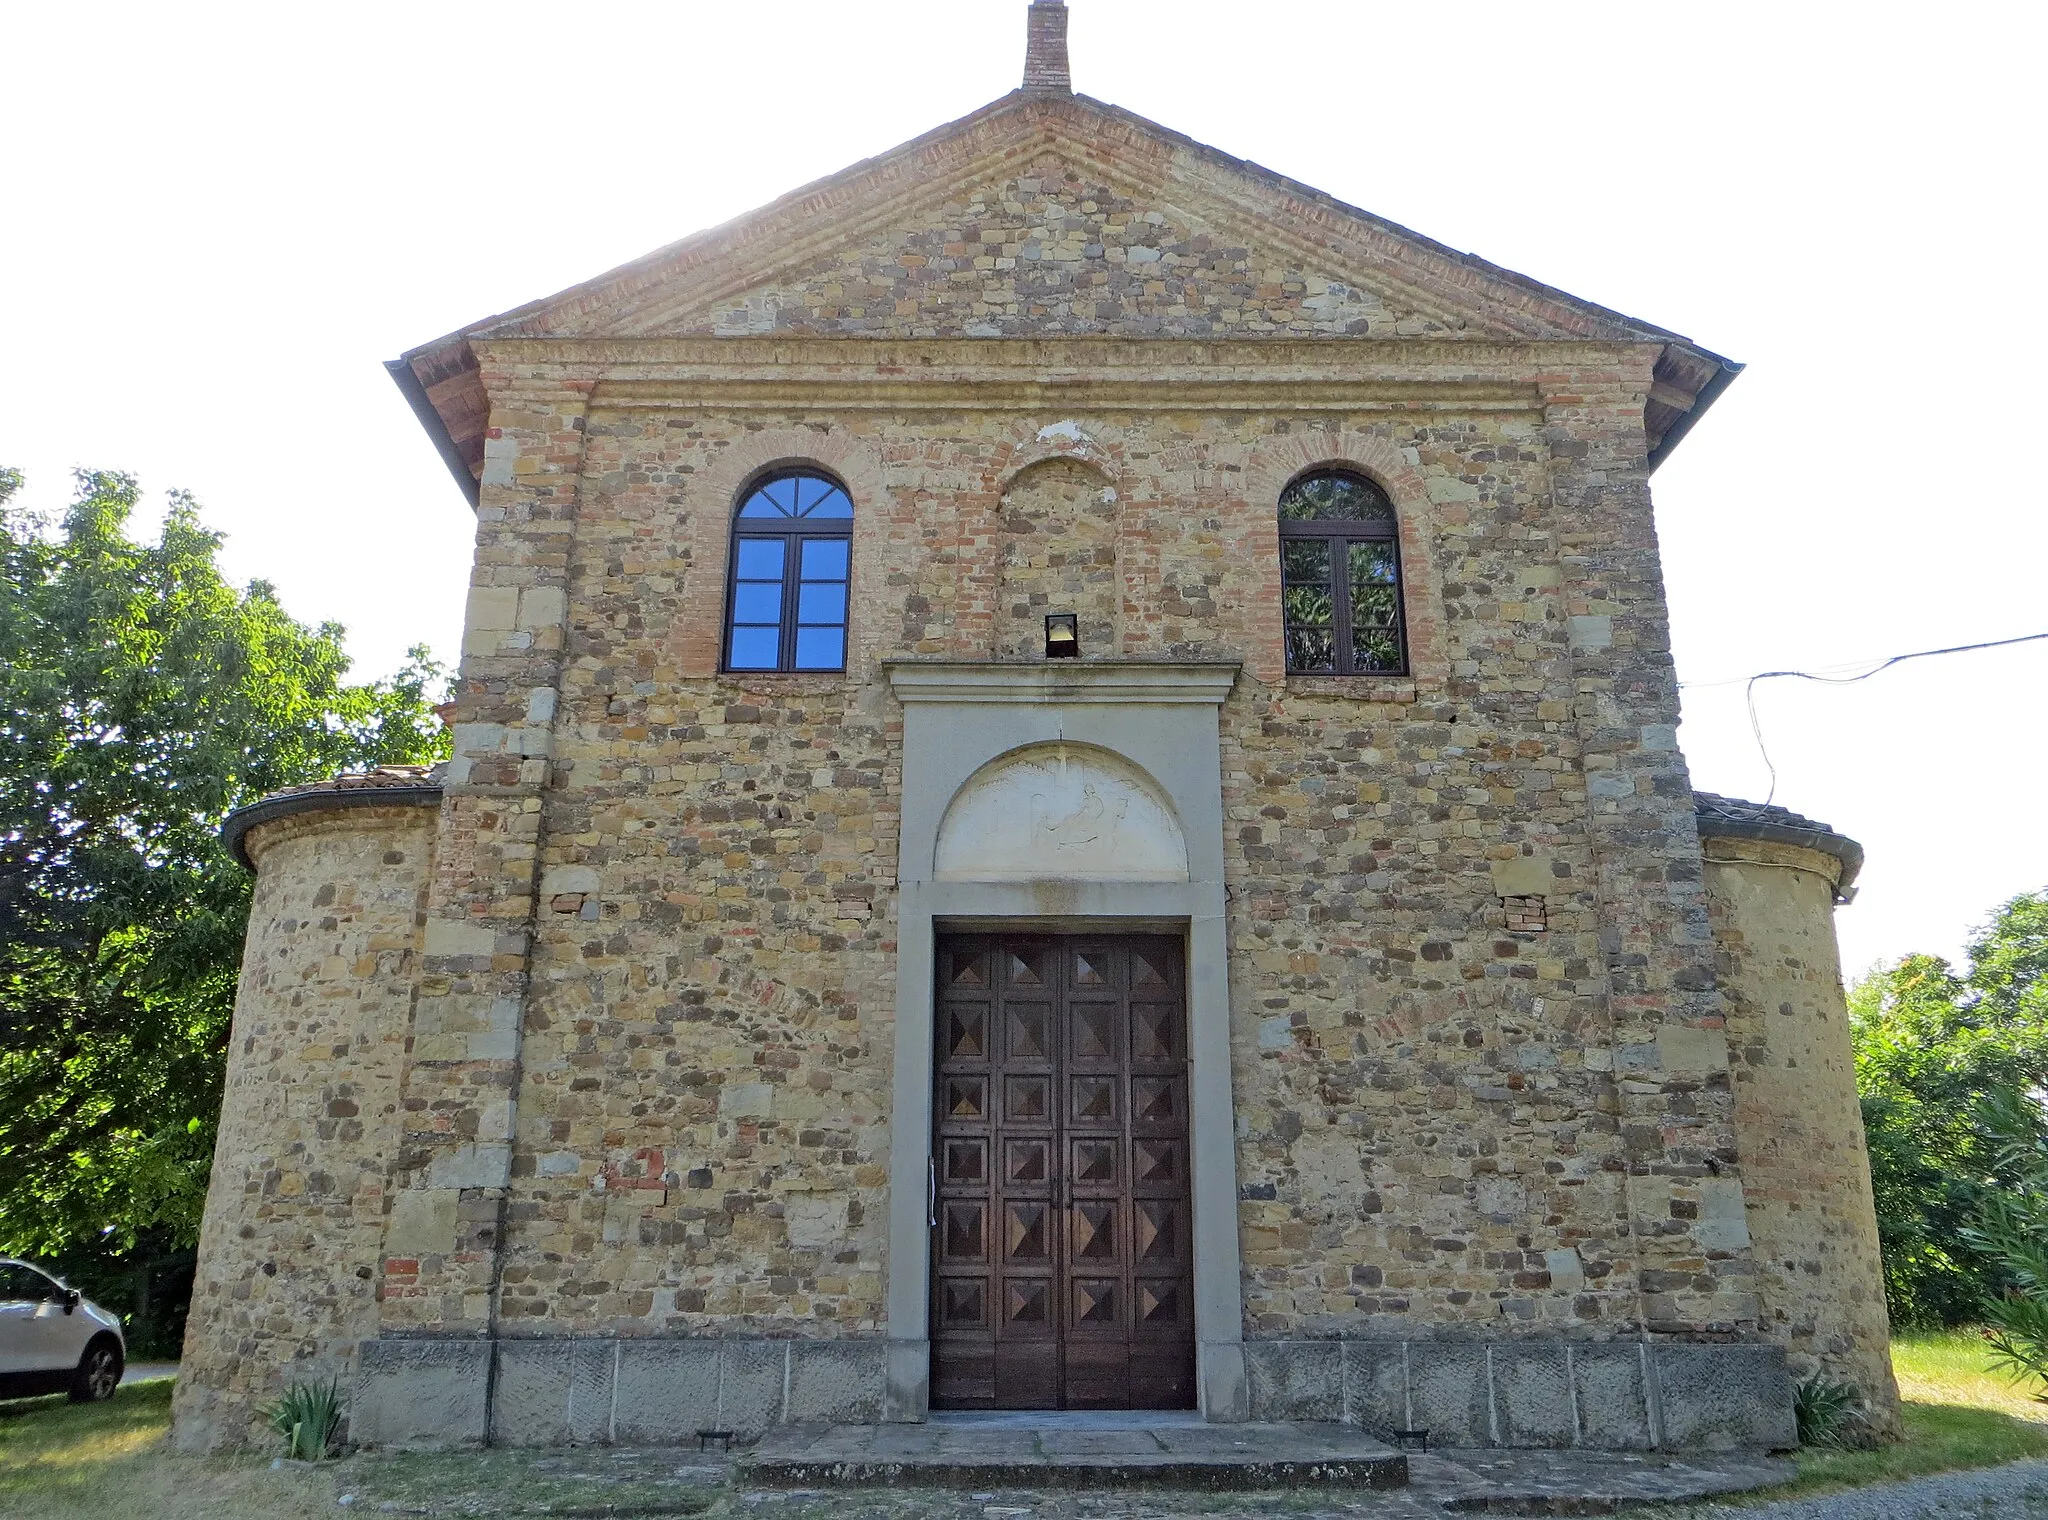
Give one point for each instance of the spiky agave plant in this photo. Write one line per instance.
(307, 1417)
(1825, 1411)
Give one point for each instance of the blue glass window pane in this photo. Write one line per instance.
(760, 559)
(831, 502)
(824, 559)
(822, 602)
(757, 602)
(820, 648)
(776, 499)
(754, 648)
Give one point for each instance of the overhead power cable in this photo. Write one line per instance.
(1749, 692)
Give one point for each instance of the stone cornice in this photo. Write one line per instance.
(324, 797)
(1063, 683)
(550, 361)
(848, 374)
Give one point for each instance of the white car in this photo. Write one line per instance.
(55, 1340)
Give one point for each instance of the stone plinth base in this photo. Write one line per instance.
(1549, 1392)
(1604, 1395)
(601, 1392)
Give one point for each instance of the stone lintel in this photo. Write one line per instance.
(1063, 683)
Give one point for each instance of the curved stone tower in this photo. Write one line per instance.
(1773, 879)
(294, 1224)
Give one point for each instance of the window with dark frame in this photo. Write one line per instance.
(1340, 577)
(792, 542)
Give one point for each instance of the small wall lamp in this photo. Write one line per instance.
(1062, 636)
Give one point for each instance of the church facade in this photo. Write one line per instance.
(1066, 795)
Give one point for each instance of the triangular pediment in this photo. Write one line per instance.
(1053, 215)
(1039, 217)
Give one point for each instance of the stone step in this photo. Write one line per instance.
(1091, 1450)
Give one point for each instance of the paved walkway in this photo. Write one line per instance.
(2017, 1491)
(143, 1372)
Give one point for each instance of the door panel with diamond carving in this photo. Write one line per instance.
(1061, 1242)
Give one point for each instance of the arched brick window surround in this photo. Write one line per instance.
(787, 587)
(714, 497)
(1268, 468)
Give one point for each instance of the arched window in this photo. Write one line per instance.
(791, 542)
(1340, 577)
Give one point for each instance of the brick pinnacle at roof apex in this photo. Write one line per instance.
(1045, 49)
(442, 379)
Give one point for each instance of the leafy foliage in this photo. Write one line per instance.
(2012, 1229)
(1931, 1047)
(142, 697)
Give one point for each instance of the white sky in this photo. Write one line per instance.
(216, 221)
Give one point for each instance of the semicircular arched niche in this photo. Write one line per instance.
(1060, 812)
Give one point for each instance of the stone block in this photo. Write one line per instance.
(542, 607)
(530, 1404)
(667, 1391)
(420, 1393)
(746, 1100)
(1681, 1048)
(422, 1222)
(1591, 632)
(836, 1382)
(1614, 1411)
(471, 1166)
(1723, 1223)
(460, 937)
(491, 607)
(909, 1380)
(1533, 1395)
(750, 1385)
(1723, 1398)
(1447, 1392)
(1296, 1380)
(1376, 1386)
(1524, 876)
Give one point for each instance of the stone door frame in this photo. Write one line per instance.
(1161, 718)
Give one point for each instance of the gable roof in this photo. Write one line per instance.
(785, 267)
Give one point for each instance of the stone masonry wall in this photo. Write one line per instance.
(295, 1210)
(1432, 1128)
(1806, 1176)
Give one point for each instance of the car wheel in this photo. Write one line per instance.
(99, 1372)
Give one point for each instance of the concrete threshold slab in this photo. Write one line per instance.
(1073, 1451)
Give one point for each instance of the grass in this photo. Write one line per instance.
(1957, 1414)
(64, 1461)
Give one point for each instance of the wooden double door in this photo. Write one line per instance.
(1062, 1237)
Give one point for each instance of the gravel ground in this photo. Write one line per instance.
(2017, 1491)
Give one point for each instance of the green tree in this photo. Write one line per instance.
(141, 698)
(1931, 1048)
(2012, 1229)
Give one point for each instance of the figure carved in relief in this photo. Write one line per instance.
(1093, 823)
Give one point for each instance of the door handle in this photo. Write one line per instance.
(931, 1192)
